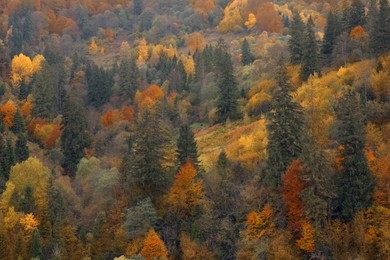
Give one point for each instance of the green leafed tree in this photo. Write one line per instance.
(295, 46)
(246, 55)
(21, 148)
(186, 146)
(310, 49)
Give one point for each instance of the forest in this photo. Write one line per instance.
(194, 129)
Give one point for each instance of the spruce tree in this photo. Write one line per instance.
(357, 14)
(44, 100)
(19, 124)
(186, 146)
(310, 49)
(356, 183)
(27, 204)
(21, 148)
(380, 43)
(10, 153)
(99, 85)
(227, 85)
(36, 246)
(284, 126)
(246, 54)
(129, 77)
(372, 17)
(330, 36)
(75, 136)
(295, 43)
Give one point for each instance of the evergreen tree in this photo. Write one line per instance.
(27, 204)
(4, 164)
(151, 137)
(380, 43)
(227, 85)
(19, 124)
(330, 36)
(246, 55)
(186, 146)
(99, 84)
(10, 153)
(310, 56)
(75, 136)
(284, 128)
(36, 246)
(356, 182)
(138, 7)
(22, 30)
(372, 17)
(21, 149)
(295, 43)
(357, 15)
(44, 102)
(129, 77)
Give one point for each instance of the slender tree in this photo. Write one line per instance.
(21, 148)
(330, 36)
(246, 54)
(310, 49)
(186, 146)
(284, 126)
(380, 43)
(44, 102)
(356, 182)
(295, 43)
(75, 136)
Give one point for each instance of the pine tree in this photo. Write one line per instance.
(186, 146)
(227, 84)
(357, 15)
(27, 204)
(99, 84)
(21, 149)
(297, 27)
(129, 77)
(380, 43)
(75, 136)
(19, 124)
(356, 182)
(310, 56)
(330, 36)
(44, 102)
(246, 54)
(10, 153)
(36, 246)
(138, 7)
(372, 17)
(284, 128)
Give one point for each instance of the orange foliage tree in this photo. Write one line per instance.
(109, 118)
(186, 191)
(260, 224)
(26, 109)
(196, 42)
(126, 113)
(358, 33)
(154, 247)
(8, 111)
(149, 97)
(203, 6)
(307, 241)
(292, 188)
(268, 18)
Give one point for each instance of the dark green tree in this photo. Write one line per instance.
(44, 100)
(22, 31)
(357, 14)
(138, 7)
(227, 85)
(27, 204)
(356, 183)
(246, 55)
(372, 17)
(75, 136)
(284, 126)
(380, 36)
(21, 149)
(19, 124)
(310, 49)
(151, 138)
(99, 85)
(10, 153)
(129, 77)
(36, 246)
(330, 36)
(295, 43)
(186, 146)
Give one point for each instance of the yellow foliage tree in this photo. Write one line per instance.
(307, 241)
(93, 47)
(251, 22)
(186, 192)
(154, 247)
(29, 223)
(260, 224)
(143, 53)
(22, 68)
(189, 65)
(196, 42)
(232, 16)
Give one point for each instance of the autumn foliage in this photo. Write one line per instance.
(196, 42)
(8, 111)
(260, 224)
(47, 133)
(307, 241)
(154, 247)
(186, 191)
(149, 97)
(126, 113)
(292, 188)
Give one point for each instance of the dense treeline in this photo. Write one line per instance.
(204, 129)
